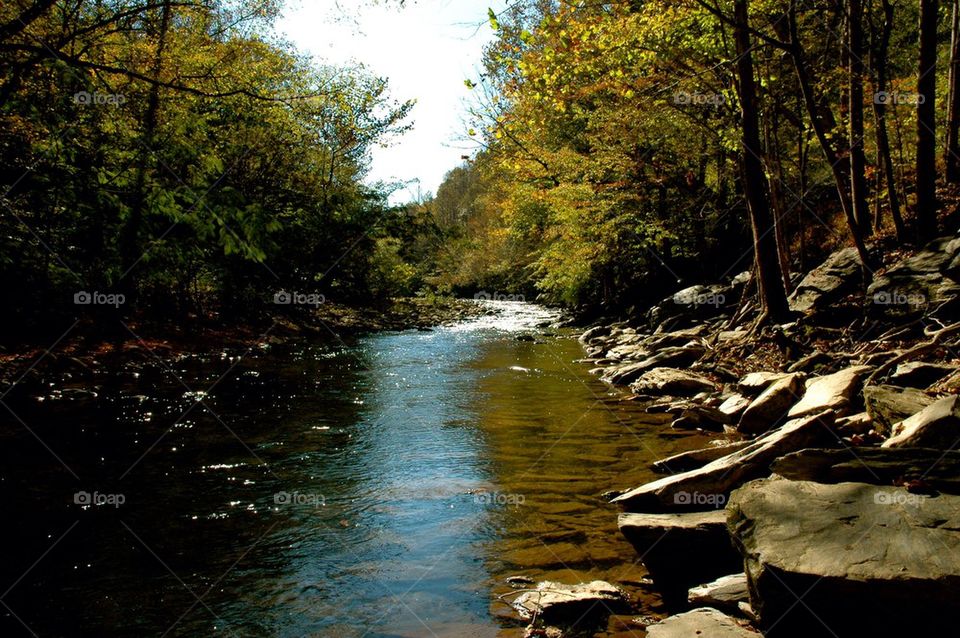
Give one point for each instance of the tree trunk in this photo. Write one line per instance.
(772, 293)
(820, 128)
(926, 171)
(952, 151)
(130, 234)
(878, 61)
(858, 182)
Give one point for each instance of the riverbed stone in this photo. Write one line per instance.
(852, 553)
(925, 282)
(667, 358)
(681, 550)
(770, 408)
(725, 593)
(836, 277)
(920, 374)
(756, 382)
(701, 623)
(716, 479)
(937, 426)
(734, 405)
(693, 459)
(832, 391)
(671, 381)
(888, 405)
(555, 602)
(927, 468)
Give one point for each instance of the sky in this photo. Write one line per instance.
(426, 49)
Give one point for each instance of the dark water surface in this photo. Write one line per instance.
(384, 487)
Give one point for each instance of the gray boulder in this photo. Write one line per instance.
(924, 282)
(834, 560)
(667, 358)
(681, 550)
(561, 604)
(709, 485)
(693, 303)
(701, 623)
(770, 408)
(734, 405)
(671, 381)
(936, 426)
(919, 374)
(835, 278)
(931, 469)
(693, 459)
(887, 404)
(756, 382)
(725, 593)
(833, 391)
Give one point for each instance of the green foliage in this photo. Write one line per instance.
(173, 152)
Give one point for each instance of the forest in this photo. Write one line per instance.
(630, 149)
(672, 349)
(178, 157)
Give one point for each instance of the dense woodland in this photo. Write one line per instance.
(177, 154)
(633, 148)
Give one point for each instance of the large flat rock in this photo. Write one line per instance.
(838, 560)
(559, 603)
(701, 623)
(924, 282)
(681, 550)
(933, 468)
(660, 381)
(937, 426)
(887, 405)
(836, 277)
(692, 490)
(920, 374)
(725, 593)
(694, 459)
(770, 408)
(832, 391)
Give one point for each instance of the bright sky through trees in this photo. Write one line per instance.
(426, 49)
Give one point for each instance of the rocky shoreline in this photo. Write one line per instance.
(829, 494)
(90, 345)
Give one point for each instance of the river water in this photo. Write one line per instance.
(384, 487)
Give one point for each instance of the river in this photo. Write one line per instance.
(381, 487)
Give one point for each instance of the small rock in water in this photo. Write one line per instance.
(553, 602)
(519, 581)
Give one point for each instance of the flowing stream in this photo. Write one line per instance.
(384, 487)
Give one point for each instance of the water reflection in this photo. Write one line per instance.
(417, 470)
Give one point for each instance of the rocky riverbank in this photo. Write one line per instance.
(829, 495)
(91, 344)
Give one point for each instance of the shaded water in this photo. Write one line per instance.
(384, 487)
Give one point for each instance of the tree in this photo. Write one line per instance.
(772, 293)
(951, 154)
(858, 182)
(878, 62)
(926, 166)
